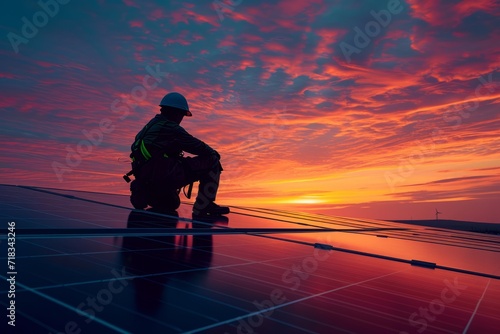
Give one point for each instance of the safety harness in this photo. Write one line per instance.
(140, 155)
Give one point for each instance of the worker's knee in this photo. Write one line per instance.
(214, 159)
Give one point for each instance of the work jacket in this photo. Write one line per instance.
(162, 136)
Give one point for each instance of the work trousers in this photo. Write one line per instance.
(163, 176)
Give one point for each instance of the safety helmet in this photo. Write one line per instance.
(176, 100)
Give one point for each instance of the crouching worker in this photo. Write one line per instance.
(160, 169)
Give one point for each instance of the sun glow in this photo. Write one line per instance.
(304, 200)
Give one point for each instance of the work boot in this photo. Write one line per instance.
(209, 221)
(210, 209)
(138, 195)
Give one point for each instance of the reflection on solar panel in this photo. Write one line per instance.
(87, 263)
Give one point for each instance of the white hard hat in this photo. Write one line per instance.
(176, 100)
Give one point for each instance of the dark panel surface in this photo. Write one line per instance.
(195, 279)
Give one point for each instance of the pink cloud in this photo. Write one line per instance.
(439, 13)
(136, 24)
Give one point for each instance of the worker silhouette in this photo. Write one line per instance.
(161, 170)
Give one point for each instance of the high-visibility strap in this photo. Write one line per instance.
(145, 151)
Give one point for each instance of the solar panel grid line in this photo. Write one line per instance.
(311, 322)
(66, 254)
(463, 303)
(59, 252)
(101, 203)
(283, 305)
(414, 280)
(143, 316)
(62, 217)
(370, 291)
(24, 234)
(294, 315)
(269, 262)
(282, 315)
(420, 296)
(391, 258)
(106, 280)
(451, 236)
(413, 239)
(307, 324)
(362, 317)
(72, 197)
(69, 307)
(245, 311)
(53, 285)
(283, 270)
(366, 305)
(435, 240)
(299, 217)
(216, 301)
(489, 306)
(154, 275)
(47, 328)
(469, 272)
(480, 236)
(210, 293)
(87, 259)
(476, 308)
(300, 222)
(459, 241)
(229, 286)
(315, 217)
(440, 242)
(432, 237)
(93, 242)
(119, 306)
(398, 322)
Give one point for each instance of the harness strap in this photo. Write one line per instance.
(144, 151)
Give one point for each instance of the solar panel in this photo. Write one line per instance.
(88, 263)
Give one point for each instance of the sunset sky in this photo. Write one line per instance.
(376, 109)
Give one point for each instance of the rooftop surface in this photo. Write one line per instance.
(88, 263)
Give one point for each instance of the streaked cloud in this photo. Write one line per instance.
(295, 121)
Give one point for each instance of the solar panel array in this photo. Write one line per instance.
(88, 263)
